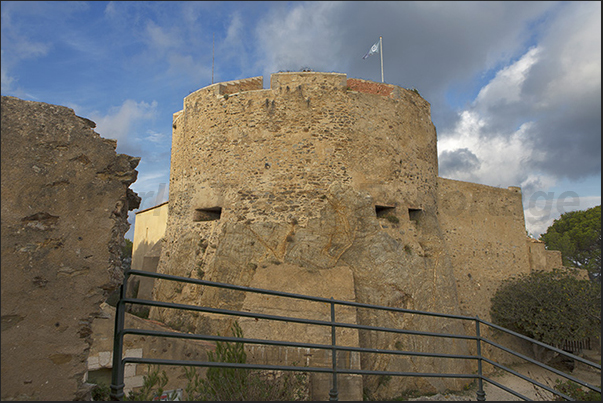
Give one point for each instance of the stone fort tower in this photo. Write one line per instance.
(329, 186)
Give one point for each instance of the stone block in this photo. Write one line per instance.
(129, 370)
(105, 359)
(93, 363)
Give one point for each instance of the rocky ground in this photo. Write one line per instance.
(494, 393)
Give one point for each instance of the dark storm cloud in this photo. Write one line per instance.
(436, 47)
(560, 94)
(426, 44)
(462, 159)
(572, 142)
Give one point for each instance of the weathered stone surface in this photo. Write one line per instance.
(336, 283)
(65, 199)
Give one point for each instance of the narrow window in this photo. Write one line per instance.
(384, 211)
(415, 214)
(100, 376)
(207, 214)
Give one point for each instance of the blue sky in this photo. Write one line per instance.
(514, 87)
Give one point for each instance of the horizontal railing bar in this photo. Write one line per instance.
(288, 318)
(525, 378)
(291, 344)
(401, 352)
(506, 389)
(415, 374)
(540, 364)
(158, 361)
(290, 295)
(521, 336)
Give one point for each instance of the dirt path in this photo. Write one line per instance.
(494, 393)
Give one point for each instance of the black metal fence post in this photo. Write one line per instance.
(117, 374)
(333, 393)
(481, 395)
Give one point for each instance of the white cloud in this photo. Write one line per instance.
(152, 187)
(6, 79)
(538, 119)
(155, 137)
(508, 156)
(507, 85)
(195, 70)
(231, 50)
(110, 10)
(235, 31)
(16, 47)
(501, 159)
(572, 53)
(120, 122)
(27, 49)
(159, 38)
(305, 36)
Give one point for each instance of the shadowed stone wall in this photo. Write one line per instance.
(65, 199)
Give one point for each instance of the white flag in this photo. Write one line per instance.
(373, 49)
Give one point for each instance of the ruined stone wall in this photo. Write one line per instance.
(315, 175)
(65, 200)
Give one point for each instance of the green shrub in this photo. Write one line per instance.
(153, 384)
(239, 384)
(550, 307)
(101, 392)
(575, 391)
(222, 384)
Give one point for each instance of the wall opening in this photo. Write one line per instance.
(415, 214)
(100, 376)
(207, 214)
(383, 211)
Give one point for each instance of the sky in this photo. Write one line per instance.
(514, 87)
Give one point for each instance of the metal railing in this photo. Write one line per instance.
(119, 362)
(575, 346)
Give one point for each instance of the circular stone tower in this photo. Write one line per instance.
(319, 185)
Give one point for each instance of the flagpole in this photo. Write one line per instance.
(381, 49)
(212, 57)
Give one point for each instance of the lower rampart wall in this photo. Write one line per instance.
(485, 233)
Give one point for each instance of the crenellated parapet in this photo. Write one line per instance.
(306, 131)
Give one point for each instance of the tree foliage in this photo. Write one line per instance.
(577, 235)
(126, 254)
(549, 306)
(126, 249)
